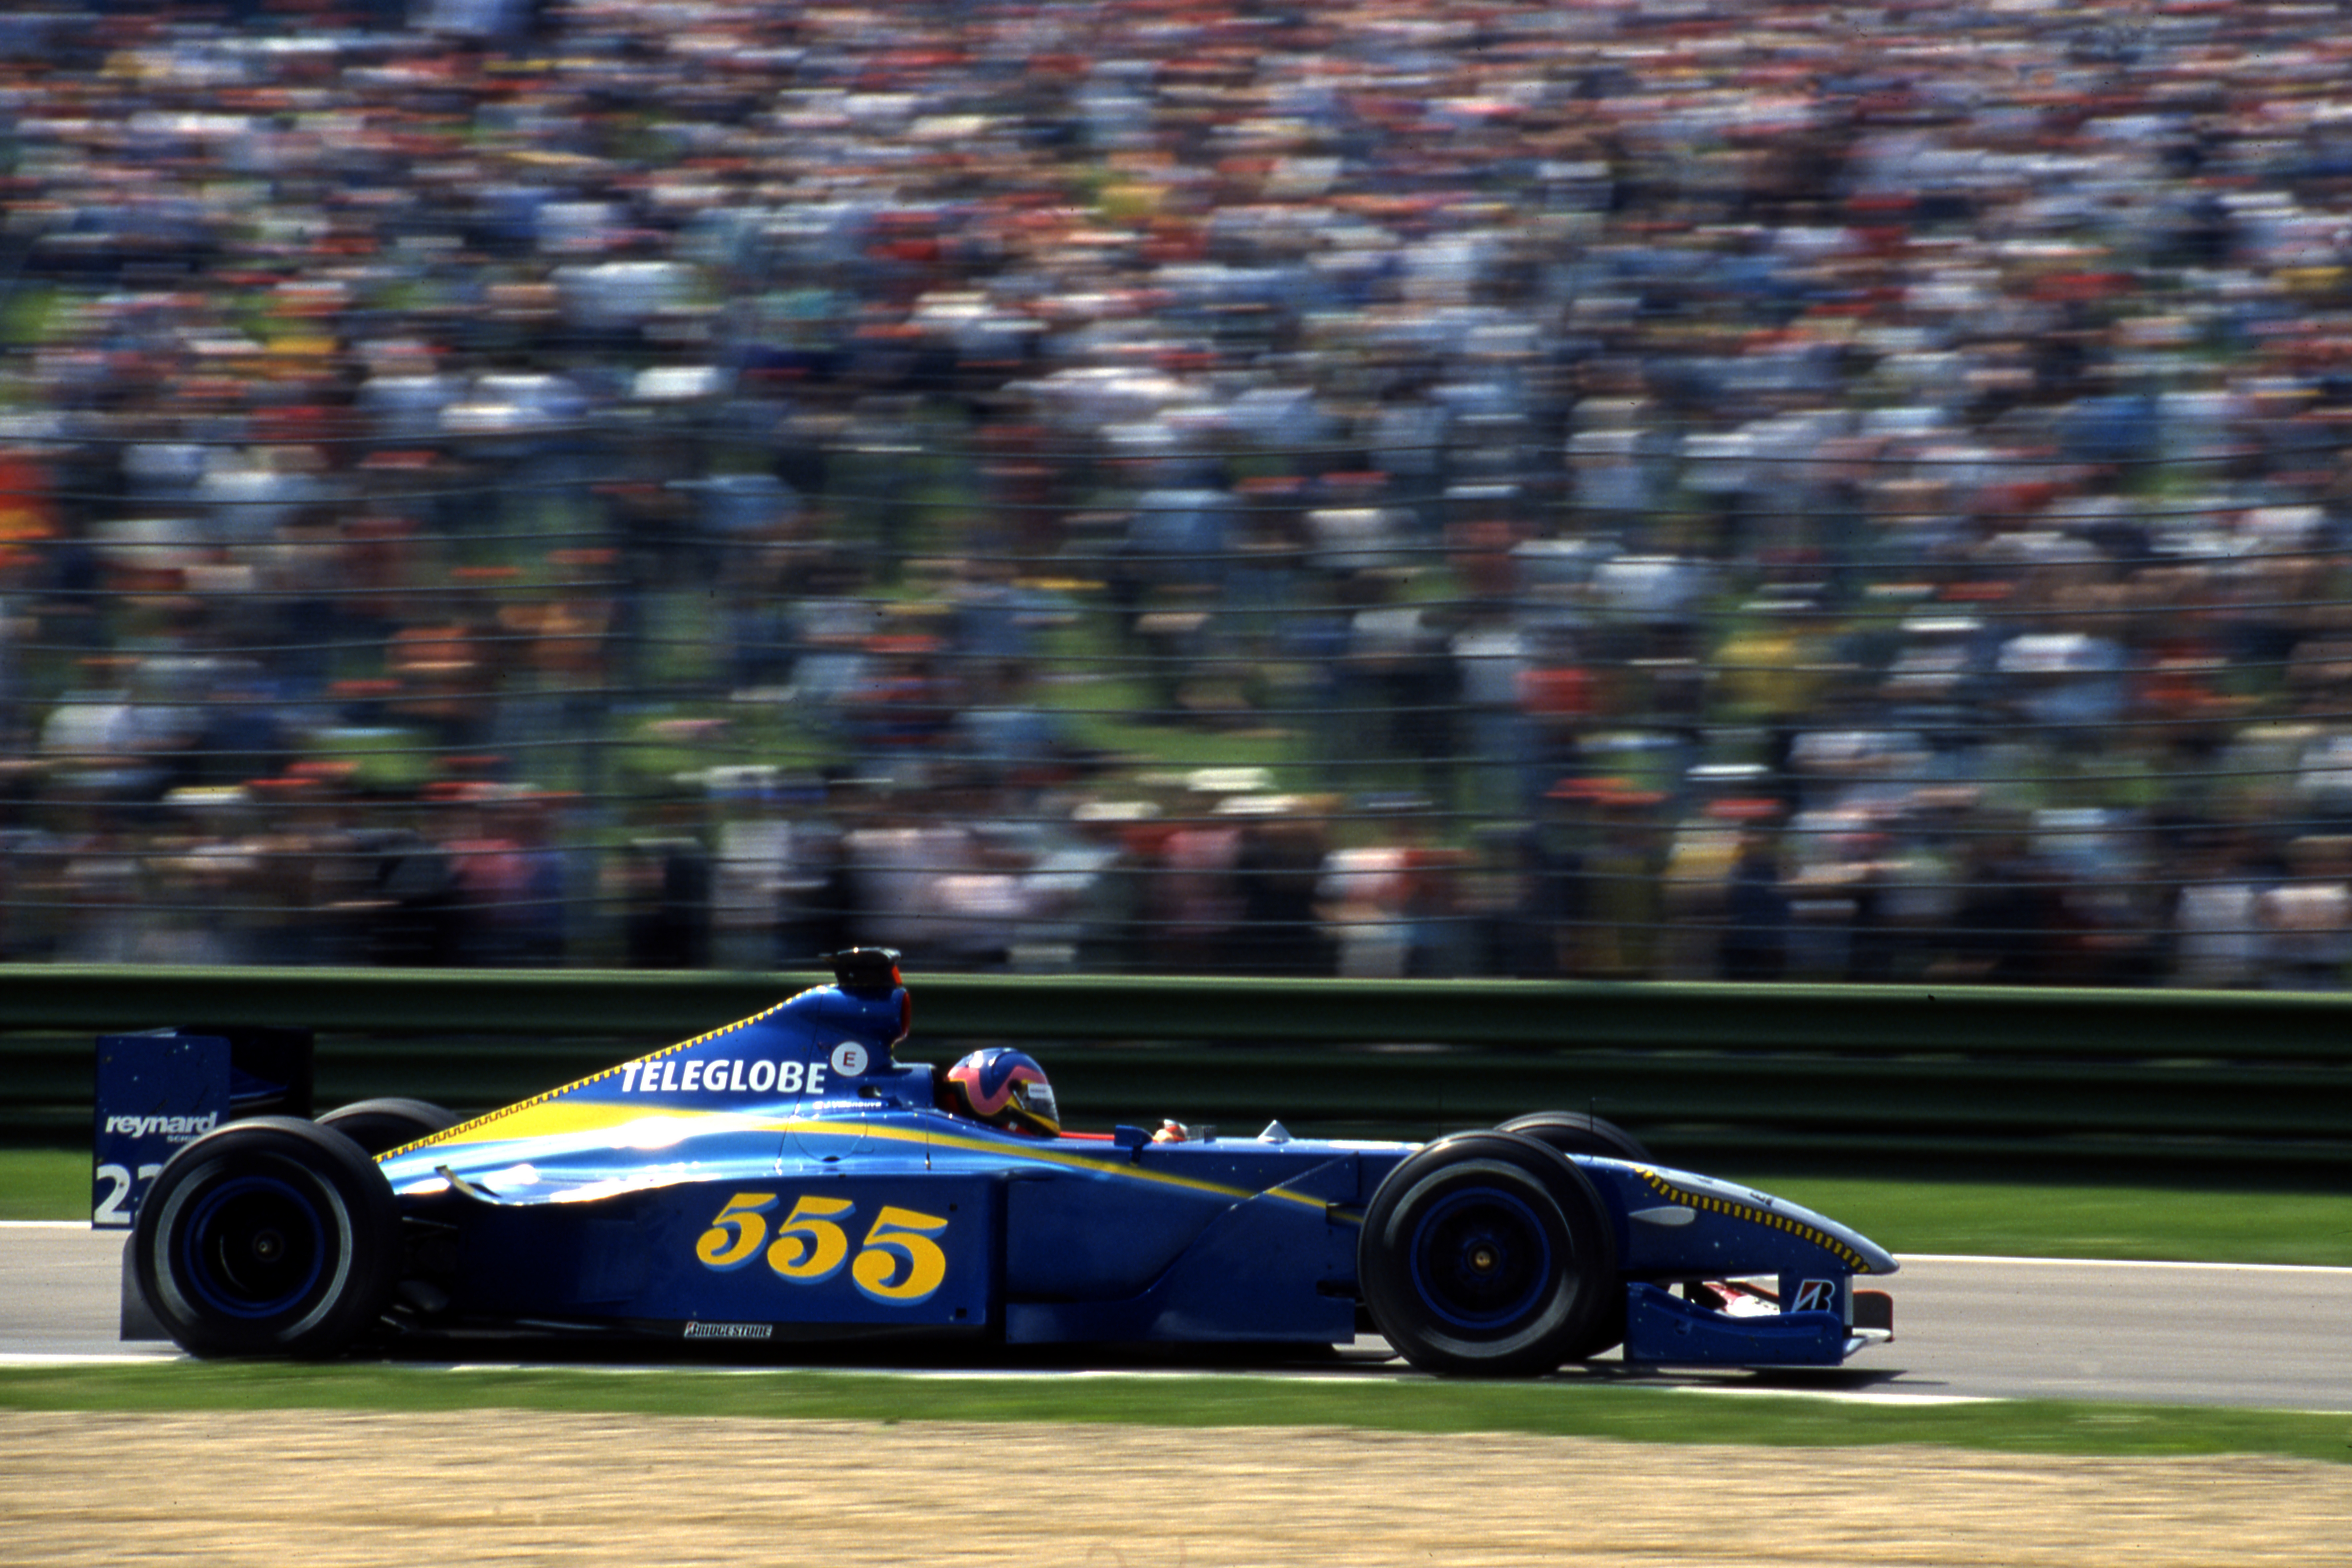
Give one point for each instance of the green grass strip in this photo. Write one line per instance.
(1558, 1408)
(44, 1183)
(2207, 1222)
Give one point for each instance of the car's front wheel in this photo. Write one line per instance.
(268, 1236)
(1487, 1253)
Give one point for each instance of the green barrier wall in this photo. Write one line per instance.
(2253, 1081)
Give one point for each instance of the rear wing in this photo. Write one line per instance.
(158, 1090)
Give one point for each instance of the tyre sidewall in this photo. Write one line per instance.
(341, 1207)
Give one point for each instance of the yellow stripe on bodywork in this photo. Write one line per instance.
(593, 1117)
(1753, 1216)
(552, 1115)
(574, 1119)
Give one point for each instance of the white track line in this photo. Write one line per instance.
(2122, 1263)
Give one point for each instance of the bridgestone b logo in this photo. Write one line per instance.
(161, 1126)
(730, 1330)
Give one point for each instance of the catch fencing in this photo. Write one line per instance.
(1014, 694)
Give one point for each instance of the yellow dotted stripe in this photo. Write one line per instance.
(1725, 1206)
(457, 1133)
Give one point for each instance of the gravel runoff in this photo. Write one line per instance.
(325, 1489)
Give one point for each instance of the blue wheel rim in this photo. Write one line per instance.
(253, 1248)
(1481, 1259)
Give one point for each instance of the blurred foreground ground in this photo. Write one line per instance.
(512, 1487)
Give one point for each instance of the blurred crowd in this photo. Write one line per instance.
(1664, 489)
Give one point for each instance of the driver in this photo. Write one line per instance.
(1005, 1088)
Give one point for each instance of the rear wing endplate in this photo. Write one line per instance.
(161, 1088)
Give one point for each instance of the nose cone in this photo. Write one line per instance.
(1794, 1224)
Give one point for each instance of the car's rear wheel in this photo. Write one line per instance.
(268, 1236)
(1487, 1253)
(1576, 1132)
(389, 1123)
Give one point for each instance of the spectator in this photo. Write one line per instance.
(668, 893)
(1755, 944)
(579, 384)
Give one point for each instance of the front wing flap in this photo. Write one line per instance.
(1808, 1322)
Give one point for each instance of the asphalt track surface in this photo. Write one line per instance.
(1966, 1328)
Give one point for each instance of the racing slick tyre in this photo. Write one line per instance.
(1574, 1132)
(381, 1125)
(1489, 1254)
(268, 1236)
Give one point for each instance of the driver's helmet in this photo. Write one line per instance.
(1005, 1088)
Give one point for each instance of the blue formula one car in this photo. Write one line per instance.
(785, 1179)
